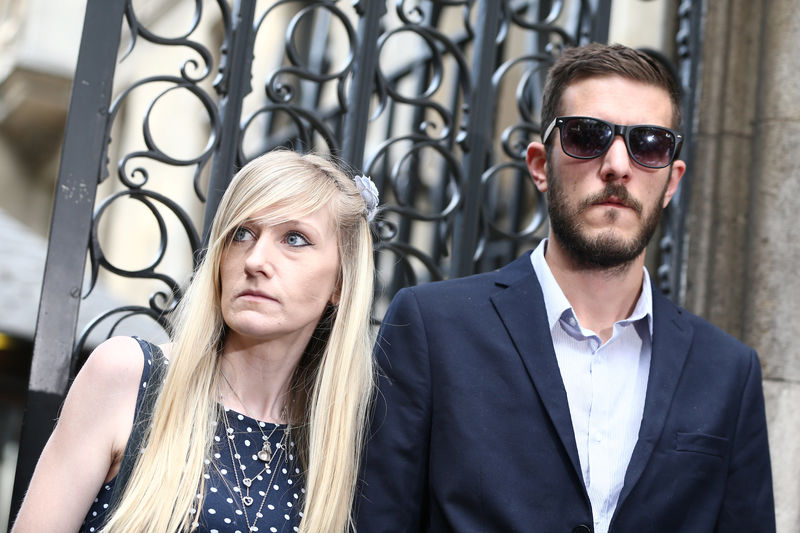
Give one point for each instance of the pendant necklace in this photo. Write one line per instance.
(265, 453)
(244, 495)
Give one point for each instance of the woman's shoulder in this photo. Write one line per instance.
(114, 359)
(109, 383)
(85, 448)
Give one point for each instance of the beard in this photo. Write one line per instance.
(607, 250)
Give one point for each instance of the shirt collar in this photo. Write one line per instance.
(557, 304)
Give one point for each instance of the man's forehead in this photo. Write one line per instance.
(617, 99)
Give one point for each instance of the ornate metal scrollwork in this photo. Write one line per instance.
(297, 110)
(512, 213)
(136, 168)
(422, 143)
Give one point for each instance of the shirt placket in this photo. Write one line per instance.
(598, 427)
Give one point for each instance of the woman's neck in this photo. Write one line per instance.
(256, 378)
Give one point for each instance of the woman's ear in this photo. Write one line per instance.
(337, 292)
(536, 158)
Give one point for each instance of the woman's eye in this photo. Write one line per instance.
(242, 234)
(296, 239)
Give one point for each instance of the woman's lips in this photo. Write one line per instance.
(256, 295)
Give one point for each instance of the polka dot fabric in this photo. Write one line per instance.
(223, 510)
(97, 512)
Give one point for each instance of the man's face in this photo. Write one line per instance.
(603, 249)
(603, 211)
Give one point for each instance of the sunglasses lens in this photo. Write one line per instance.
(585, 137)
(651, 146)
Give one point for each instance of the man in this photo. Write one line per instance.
(564, 392)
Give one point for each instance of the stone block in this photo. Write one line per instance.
(780, 62)
(741, 57)
(783, 424)
(772, 317)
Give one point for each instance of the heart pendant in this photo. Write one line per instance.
(264, 454)
(247, 500)
(247, 481)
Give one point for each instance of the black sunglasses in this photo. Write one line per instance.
(588, 137)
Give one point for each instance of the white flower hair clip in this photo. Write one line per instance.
(369, 192)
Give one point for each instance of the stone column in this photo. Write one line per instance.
(771, 318)
(743, 228)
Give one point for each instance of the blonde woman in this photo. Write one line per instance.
(259, 423)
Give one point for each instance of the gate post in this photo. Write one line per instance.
(236, 85)
(357, 116)
(479, 138)
(82, 159)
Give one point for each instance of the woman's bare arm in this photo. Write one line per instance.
(87, 443)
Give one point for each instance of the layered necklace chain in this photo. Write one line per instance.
(264, 455)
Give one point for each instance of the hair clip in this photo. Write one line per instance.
(369, 192)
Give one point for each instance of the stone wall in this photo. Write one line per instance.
(744, 248)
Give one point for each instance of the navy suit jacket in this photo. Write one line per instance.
(472, 431)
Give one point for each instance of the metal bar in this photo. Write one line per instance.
(479, 138)
(82, 159)
(356, 118)
(438, 198)
(601, 22)
(672, 268)
(237, 75)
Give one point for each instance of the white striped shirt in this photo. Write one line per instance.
(605, 384)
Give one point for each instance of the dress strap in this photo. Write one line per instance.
(155, 367)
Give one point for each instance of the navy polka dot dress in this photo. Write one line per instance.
(243, 493)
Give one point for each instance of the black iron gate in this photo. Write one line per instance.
(436, 100)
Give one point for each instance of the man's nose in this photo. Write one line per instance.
(616, 161)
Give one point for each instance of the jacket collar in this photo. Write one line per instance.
(521, 308)
(557, 304)
(672, 338)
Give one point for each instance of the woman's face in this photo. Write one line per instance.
(277, 280)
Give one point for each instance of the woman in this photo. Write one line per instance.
(259, 423)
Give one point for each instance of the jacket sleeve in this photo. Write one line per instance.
(748, 503)
(394, 481)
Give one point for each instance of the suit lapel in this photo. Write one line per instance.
(521, 308)
(672, 337)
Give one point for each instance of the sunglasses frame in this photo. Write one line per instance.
(617, 129)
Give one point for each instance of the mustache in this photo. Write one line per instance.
(616, 191)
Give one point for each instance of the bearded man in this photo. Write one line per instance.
(564, 392)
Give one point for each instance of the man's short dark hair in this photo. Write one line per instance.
(595, 60)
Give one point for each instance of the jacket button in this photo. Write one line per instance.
(583, 528)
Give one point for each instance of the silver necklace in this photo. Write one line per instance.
(265, 453)
(244, 495)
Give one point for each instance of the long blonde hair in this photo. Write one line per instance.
(331, 388)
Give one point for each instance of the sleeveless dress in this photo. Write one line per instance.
(242, 492)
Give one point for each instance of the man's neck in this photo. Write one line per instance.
(599, 297)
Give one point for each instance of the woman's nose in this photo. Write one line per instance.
(259, 259)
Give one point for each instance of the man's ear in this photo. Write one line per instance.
(676, 173)
(536, 158)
